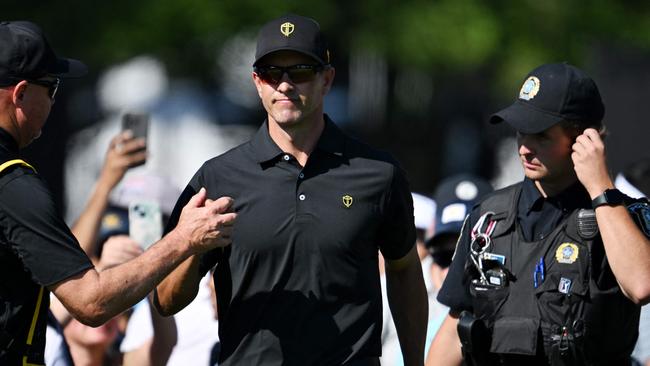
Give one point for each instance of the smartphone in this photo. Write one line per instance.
(138, 123)
(145, 223)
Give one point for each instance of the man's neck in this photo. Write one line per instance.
(299, 139)
(550, 189)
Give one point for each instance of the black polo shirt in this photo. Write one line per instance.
(300, 283)
(36, 249)
(536, 216)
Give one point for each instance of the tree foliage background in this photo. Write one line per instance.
(473, 53)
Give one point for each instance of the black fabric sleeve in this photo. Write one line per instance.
(454, 292)
(208, 260)
(397, 230)
(36, 233)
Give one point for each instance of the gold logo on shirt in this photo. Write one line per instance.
(347, 200)
(287, 28)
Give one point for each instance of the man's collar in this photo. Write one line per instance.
(331, 140)
(8, 141)
(264, 147)
(530, 195)
(572, 197)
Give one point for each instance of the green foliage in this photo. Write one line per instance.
(506, 37)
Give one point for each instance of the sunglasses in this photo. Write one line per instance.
(51, 85)
(296, 73)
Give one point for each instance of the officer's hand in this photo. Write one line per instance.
(117, 250)
(589, 162)
(124, 151)
(206, 224)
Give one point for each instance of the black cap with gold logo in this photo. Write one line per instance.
(295, 33)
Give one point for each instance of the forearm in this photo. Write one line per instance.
(407, 298)
(87, 225)
(445, 348)
(93, 298)
(179, 288)
(628, 251)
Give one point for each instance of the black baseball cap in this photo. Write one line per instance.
(294, 33)
(26, 54)
(455, 197)
(550, 94)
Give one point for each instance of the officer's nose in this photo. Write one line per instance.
(526, 145)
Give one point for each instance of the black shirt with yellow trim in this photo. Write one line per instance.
(37, 250)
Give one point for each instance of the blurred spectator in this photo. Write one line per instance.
(196, 326)
(455, 196)
(423, 212)
(123, 153)
(635, 182)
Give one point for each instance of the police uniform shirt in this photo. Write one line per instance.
(36, 249)
(536, 216)
(300, 285)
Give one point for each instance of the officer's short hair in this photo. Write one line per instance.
(576, 128)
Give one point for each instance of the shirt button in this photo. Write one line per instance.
(286, 158)
(302, 197)
(301, 175)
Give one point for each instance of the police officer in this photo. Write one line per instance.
(551, 270)
(38, 253)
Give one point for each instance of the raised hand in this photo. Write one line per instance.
(124, 152)
(590, 163)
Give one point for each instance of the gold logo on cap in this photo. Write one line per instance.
(529, 89)
(347, 200)
(566, 253)
(287, 28)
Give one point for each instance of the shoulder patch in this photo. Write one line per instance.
(640, 212)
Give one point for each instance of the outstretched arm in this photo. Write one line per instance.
(627, 248)
(407, 297)
(93, 297)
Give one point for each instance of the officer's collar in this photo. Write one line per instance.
(574, 196)
(331, 140)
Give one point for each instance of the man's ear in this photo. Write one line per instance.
(258, 83)
(328, 79)
(19, 92)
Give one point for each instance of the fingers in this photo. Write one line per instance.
(198, 200)
(589, 143)
(220, 205)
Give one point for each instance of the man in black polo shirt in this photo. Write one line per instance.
(300, 284)
(38, 253)
(551, 270)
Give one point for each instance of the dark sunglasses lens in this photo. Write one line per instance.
(271, 75)
(301, 75)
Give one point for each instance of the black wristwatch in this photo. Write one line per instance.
(611, 197)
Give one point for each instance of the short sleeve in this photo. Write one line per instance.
(454, 292)
(397, 229)
(35, 231)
